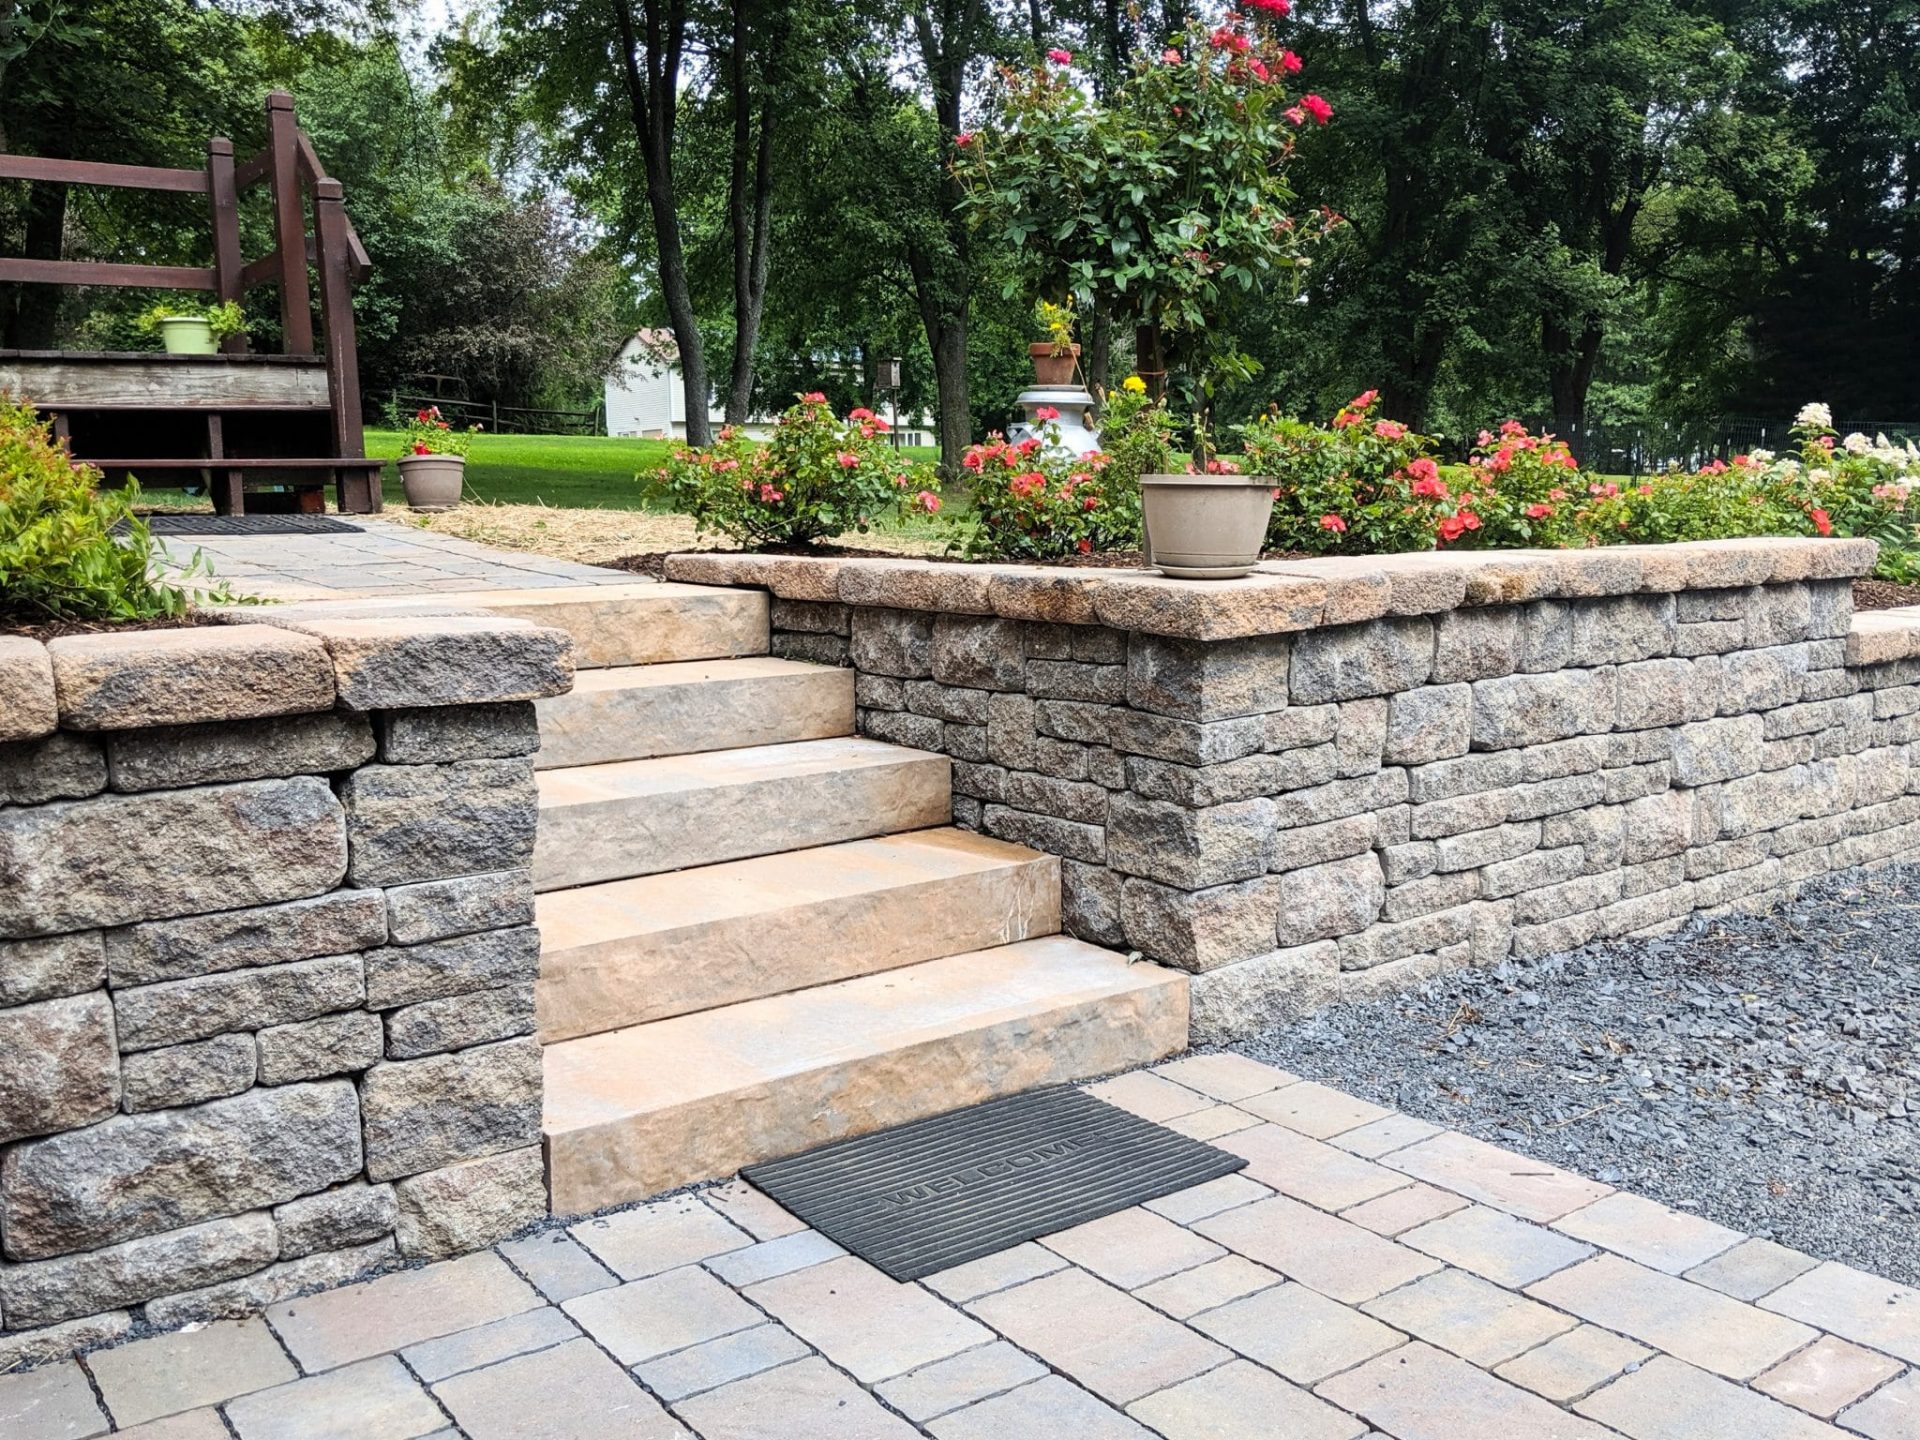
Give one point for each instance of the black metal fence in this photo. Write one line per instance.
(1636, 447)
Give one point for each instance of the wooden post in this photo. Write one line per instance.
(229, 494)
(289, 223)
(359, 489)
(224, 196)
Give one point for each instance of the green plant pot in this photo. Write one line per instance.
(187, 335)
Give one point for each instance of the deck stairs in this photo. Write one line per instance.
(759, 931)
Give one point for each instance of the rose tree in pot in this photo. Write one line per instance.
(1164, 205)
(433, 461)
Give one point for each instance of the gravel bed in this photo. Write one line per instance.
(1754, 1070)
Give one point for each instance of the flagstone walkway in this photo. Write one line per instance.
(1367, 1274)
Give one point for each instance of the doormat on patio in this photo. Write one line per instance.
(249, 525)
(936, 1193)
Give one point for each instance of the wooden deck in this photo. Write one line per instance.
(69, 380)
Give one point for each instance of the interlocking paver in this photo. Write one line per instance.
(1297, 1165)
(1001, 1271)
(1320, 1250)
(1298, 1332)
(1471, 1317)
(1212, 1123)
(401, 1309)
(1667, 1400)
(1496, 1247)
(1050, 1407)
(1890, 1413)
(768, 1258)
(558, 1265)
(1751, 1270)
(1700, 1326)
(1148, 1096)
(1186, 1206)
(963, 1379)
(720, 1362)
(1828, 1376)
(372, 1400)
(1132, 1247)
(754, 1211)
(1572, 1364)
(663, 1236)
(1420, 1393)
(1400, 1210)
(540, 1329)
(1855, 1306)
(51, 1403)
(194, 1425)
(1100, 1336)
(1208, 1286)
(661, 1314)
(1242, 1402)
(1531, 1189)
(864, 1322)
(1315, 1109)
(1395, 1132)
(189, 1369)
(1224, 1076)
(808, 1397)
(572, 1393)
(1653, 1234)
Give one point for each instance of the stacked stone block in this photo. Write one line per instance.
(266, 963)
(1299, 816)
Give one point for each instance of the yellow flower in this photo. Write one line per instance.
(1134, 384)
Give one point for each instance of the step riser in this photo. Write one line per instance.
(596, 727)
(591, 841)
(592, 988)
(631, 1158)
(647, 625)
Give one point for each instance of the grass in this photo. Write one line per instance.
(573, 471)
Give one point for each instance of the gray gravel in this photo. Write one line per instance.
(1755, 1070)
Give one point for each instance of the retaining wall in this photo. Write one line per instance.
(266, 960)
(1342, 775)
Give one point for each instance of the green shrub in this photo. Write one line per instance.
(60, 557)
(1034, 499)
(1359, 487)
(819, 476)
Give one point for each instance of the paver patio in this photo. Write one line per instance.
(1427, 1287)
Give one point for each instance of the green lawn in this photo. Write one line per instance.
(570, 470)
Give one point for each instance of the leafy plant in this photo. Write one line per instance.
(819, 476)
(1034, 499)
(1137, 435)
(69, 550)
(1359, 486)
(1057, 321)
(223, 319)
(1522, 489)
(428, 433)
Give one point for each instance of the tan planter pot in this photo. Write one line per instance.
(187, 335)
(432, 482)
(1052, 369)
(1205, 527)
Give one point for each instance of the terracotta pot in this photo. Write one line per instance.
(1052, 369)
(432, 482)
(1205, 527)
(187, 335)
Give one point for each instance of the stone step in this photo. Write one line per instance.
(649, 622)
(636, 950)
(634, 712)
(634, 1112)
(643, 817)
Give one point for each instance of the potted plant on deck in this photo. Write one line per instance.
(186, 328)
(1162, 205)
(433, 461)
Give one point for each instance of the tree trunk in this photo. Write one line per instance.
(33, 318)
(750, 208)
(1098, 361)
(1149, 359)
(950, 380)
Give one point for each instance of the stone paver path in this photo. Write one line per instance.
(1367, 1275)
(382, 557)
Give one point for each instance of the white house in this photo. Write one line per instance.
(645, 397)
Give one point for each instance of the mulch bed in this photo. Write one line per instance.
(654, 565)
(53, 629)
(1883, 595)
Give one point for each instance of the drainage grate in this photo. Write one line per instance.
(939, 1192)
(249, 525)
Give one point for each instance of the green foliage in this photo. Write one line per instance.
(426, 432)
(1359, 486)
(1033, 499)
(224, 319)
(60, 557)
(1137, 435)
(818, 477)
(1057, 322)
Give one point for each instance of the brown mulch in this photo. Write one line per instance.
(1883, 595)
(44, 629)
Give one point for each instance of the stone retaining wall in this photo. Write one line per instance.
(1342, 775)
(266, 960)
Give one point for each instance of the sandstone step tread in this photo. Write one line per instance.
(645, 623)
(630, 951)
(644, 817)
(634, 1112)
(684, 707)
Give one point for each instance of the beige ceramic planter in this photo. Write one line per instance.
(432, 482)
(1205, 527)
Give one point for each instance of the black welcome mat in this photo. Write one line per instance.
(939, 1192)
(249, 525)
